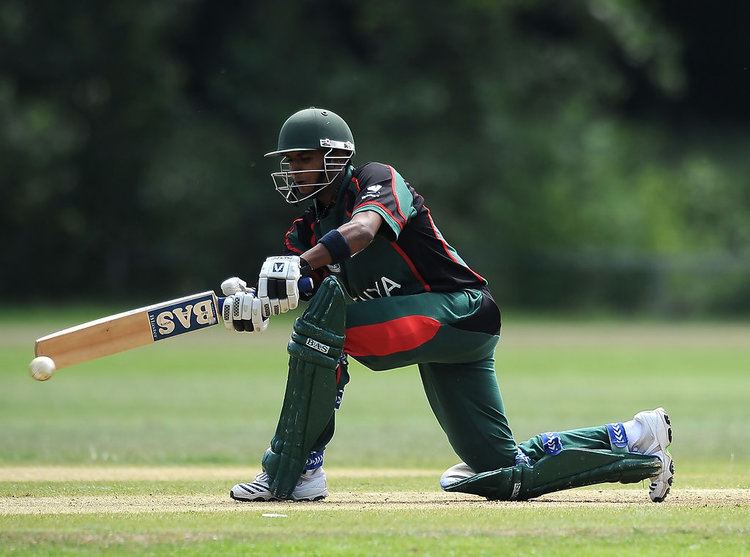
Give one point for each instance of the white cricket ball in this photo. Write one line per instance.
(42, 368)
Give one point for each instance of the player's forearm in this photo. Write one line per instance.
(317, 256)
(357, 234)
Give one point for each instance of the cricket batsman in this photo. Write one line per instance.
(392, 292)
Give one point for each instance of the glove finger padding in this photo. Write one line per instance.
(260, 323)
(227, 312)
(242, 312)
(310, 397)
(233, 285)
(277, 284)
(263, 296)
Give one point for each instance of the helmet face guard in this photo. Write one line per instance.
(333, 164)
(312, 129)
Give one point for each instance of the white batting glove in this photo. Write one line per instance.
(277, 284)
(233, 285)
(242, 312)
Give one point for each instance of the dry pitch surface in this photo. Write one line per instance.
(29, 504)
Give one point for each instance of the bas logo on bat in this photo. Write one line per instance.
(189, 315)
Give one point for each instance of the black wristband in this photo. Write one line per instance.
(304, 268)
(336, 245)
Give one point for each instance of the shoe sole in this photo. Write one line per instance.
(669, 482)
(270, 499)
(664, 446)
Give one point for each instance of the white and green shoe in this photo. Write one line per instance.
(655, 437)
(311, 486)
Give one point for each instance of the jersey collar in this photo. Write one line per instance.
(320, 211)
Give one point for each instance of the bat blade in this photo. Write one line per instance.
(130, 329)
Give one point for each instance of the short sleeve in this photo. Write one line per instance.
(383, 190)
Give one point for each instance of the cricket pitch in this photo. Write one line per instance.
(37, 503)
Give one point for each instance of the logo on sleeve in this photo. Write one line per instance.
(373, 191)
(278, 267)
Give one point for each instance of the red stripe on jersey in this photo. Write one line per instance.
(290, 247)
(393, 189)
(397, 335)
(287, 243)
(356, 183)
(410, 263)
(313, 239)
(445, 247)
(394, 217)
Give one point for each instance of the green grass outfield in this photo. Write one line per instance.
(134, 454)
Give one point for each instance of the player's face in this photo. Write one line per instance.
(307, 166)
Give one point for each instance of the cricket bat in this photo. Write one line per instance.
(130, 329)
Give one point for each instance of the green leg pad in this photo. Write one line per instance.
(570, 468)
(310, 397)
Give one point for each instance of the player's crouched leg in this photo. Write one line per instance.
(637, 451)
(568, 469)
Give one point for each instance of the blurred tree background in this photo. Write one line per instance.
(580, 154)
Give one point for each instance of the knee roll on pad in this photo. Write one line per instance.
(567, 469)
(314, 351)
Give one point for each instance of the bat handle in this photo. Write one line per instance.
(305, 285)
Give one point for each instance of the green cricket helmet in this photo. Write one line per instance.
(312, 129)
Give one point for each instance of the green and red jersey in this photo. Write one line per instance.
(409, 254)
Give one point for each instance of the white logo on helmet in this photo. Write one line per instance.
(332, 144)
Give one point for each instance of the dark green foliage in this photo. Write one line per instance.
(570, 150)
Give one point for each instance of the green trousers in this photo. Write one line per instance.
(452, 338)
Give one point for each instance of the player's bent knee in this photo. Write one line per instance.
(483, 459)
